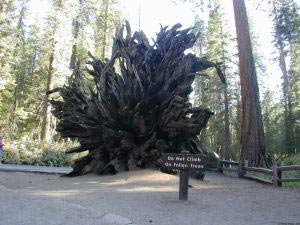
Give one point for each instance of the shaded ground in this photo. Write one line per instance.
(142, 198)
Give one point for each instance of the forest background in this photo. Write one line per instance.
(41, 41)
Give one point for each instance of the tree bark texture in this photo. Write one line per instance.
(226, 143)
(46, 123)
(128, 120)
(103, 49)
(74, 56)
(252, 133)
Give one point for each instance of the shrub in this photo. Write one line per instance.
(31, 152)
(292, 160)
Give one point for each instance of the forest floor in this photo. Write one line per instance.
(144, 197)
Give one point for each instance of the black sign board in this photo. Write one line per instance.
(183, 162)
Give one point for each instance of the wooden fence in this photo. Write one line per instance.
(275, 172)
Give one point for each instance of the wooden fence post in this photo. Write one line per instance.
(279, 175)
(184, 181)
(275, 174)
(220, 166)
(184, 184)
(240, 169)
(246, 163)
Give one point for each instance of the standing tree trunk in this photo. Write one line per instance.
(236, 131)
(74, 47)
(103, 47)
(76, 29)
(225, 143)
(46, 124)
(19, 80)
(252, 133)
(288, 114)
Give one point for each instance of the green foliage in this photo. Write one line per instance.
(107, 19)
(215, 45)
(287, 160)
(23, 76)
(272, 119)
(25, 49)
(294, 72)
(286, 19)
(292, 160)
(30, 152)
(212, 97)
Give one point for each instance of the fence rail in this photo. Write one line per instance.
(228, 162)
(286, 168)
(289, 180)
(275, 172)
(258, 170)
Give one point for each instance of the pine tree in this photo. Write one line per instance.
(7, 19)
(23, 76)
(217, 97)
(107, 20)
(272, 122)
(81, 22)
(54, 21)
(295, 92)
(286, 25)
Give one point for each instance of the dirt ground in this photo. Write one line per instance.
(145, 197)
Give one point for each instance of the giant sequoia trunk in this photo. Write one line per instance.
(252, 133)
(127, 119)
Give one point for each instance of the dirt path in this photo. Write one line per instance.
(143, 198)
